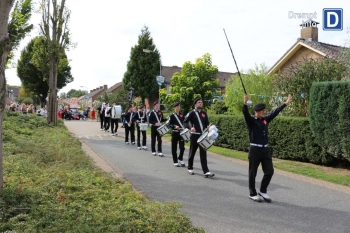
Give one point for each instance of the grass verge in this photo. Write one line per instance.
(50, 185)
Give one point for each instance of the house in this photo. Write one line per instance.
(94, 94)
(114, 88)
(305, 46)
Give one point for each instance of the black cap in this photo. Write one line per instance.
(155, 103)
(196, 100)
(176, 104)
(259, 107)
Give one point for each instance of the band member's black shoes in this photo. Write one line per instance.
(160, 154)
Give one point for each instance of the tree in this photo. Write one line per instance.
(194, 80)
(63, 95)
(120, 97)
(73, 93)
(142, 68)
(18, 26)
(33, 68)
(54, 26)
(298, 78)
(258, 87)
(5, 49)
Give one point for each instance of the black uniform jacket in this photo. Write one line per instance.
(192, 117)
(258, 127)
(153, 119)
(173, 122)
(140, 116)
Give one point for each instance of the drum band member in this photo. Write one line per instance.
(107, 118)
(129, 126)
(140, 117)
(101, 112)
(155, 119)
(259, 151)
(176, 123)
(199, 121)
(114, 119)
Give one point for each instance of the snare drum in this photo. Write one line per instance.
(204, 141)
(213, 135)
(163, 129)
(185, 134)
(143, 126)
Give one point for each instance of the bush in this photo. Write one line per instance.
(28, 100)
(219, 107)
(330, 117)
(289, 138)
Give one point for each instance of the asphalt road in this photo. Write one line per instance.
(221, 204)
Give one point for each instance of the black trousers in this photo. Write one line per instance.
(202, 153)
(114, 125)
(129, 129)
(107, 122)
(102, 117)
(139, 132)
(259, 155)
(154, 135)
(177, 139)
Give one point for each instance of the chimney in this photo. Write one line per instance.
(101, 87)
(309, 30)
(105, 87)
(91, 91)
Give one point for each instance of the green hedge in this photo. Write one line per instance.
(330, 117)
(289, 138)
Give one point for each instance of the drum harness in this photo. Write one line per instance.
(200, 123)
(155, 113)
(138, 113)
(178, 120)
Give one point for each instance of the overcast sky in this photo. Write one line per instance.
(183, 30)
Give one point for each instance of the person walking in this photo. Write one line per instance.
(200, 122)
(176, 121)
(140, 117)
(259, 151)
(101, 112)
(155, 119)
(129, 126)
(114, 119)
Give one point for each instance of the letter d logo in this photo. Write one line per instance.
(332, 19)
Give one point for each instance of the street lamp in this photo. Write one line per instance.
(160, 79)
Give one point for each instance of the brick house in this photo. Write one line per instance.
(94, 94)
(305, 46)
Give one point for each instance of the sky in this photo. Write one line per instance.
(184, 30)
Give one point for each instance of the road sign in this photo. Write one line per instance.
(160, 79)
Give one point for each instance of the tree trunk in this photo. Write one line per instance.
(52, 103)
(5, 7)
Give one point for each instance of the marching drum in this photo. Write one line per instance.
(213, 135)
(185, 134)
(143, 126)
(204, 141)
(207, 139)
(163, 129)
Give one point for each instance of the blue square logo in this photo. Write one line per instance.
(332, 19)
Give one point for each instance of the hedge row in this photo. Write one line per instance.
(330, 117)
(289, 138)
